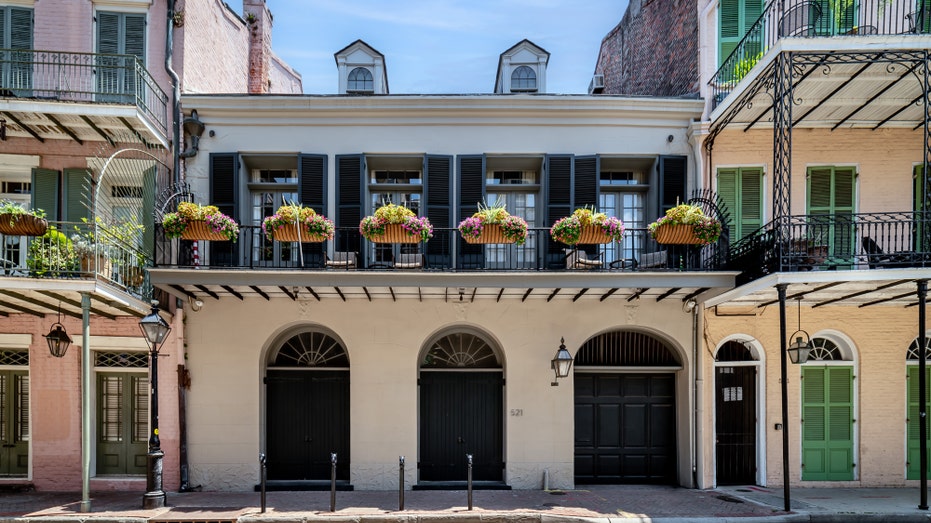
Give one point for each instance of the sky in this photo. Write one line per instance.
(443, 46)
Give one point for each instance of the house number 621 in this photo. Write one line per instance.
(517, 412)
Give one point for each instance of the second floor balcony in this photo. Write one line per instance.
(80, 97)
(829, 26)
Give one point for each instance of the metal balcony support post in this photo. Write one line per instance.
(782, 141)
(922, 394)
(401, 483)
(332, 482)
(263, 476)
(925, 241)
(469, 479)
(86, 403)
(783, 367)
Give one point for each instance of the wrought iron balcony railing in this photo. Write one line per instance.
(834, 242)
(68, 251)
(446, 251)
(83, 77)
(810, 18)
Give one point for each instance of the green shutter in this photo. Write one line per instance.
(913, 445)
(837, 17)
(148, 211)
(122, 424)
(20, 28)
(735, 18)
(45, 191)
(77, 198)
(827, 423)
(742, 193)
(832, 193)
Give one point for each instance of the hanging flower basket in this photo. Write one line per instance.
(394, 233)
(491, 233)
(594, 234)
(677, 235)
(289, 233)
(22, 225)
(199, 230)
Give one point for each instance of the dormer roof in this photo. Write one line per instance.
(361, 55)
(526, 53)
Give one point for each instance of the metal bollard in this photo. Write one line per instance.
(469, 459)
(401, 483)
(332, 482)
(262, 477)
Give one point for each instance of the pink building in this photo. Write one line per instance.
(89, 128)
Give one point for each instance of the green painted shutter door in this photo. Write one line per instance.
(148, 211)
(840, 423)
(21, 63)
(827, 423)
(45, 191)
(727, 191)
(76, 196)
(751, 200)
(814, 435)
(913, 445)
(728, 28)
(108, 67)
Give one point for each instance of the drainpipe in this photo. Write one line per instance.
(699, 409)
(175, 92)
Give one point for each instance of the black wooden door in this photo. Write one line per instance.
(461, 413)
(735, 425)
(625, 428)
(307, 418)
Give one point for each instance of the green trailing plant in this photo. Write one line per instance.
(52, 255)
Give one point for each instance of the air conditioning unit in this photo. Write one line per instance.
(597, 84)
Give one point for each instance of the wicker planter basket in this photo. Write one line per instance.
(199, 230)
(23, 225)
(289, 233)
(491, 233)
(676, 234)
(394, 233)
(593, 234)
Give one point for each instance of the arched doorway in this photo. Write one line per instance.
(625, 409)
(736, 418)
(307, 408)
(461, 409)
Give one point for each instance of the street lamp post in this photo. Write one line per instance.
(155, 329)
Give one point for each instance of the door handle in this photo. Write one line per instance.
(460, 440)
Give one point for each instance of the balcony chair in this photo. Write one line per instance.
(800, 19)
(877, 259)
(916, 19)
(342, 260)
(653, 260)
(409, 261)
(577, 259)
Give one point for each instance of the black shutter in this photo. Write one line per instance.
(349, 191)
(312, 181)
(312, 191)
(672, 182)
(438, 174)
(586, 181)
(224, 193)
(557, 203)
(471, 193)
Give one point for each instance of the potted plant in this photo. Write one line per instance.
(97, 245)
(586, 226)
(52, 255)
(200, 222)
(283, 225)
(16, 220)
(493, 224)
(395, 224)
(685, 224)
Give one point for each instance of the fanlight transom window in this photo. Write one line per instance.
(311, 349)
(523, 79)
(913, 350)
(360, 80)
(461, 350)
(824, 349)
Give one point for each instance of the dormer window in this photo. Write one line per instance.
(523, 79)
(360, 81)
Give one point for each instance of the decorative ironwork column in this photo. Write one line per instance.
(925, 239)
(922, 392)
(782, 141)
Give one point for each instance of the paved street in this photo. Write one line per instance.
(597, 503)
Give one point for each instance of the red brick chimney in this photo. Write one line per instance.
(259, 22)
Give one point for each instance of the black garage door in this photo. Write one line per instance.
(625, 428)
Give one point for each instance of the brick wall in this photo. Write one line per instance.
(653, 50)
